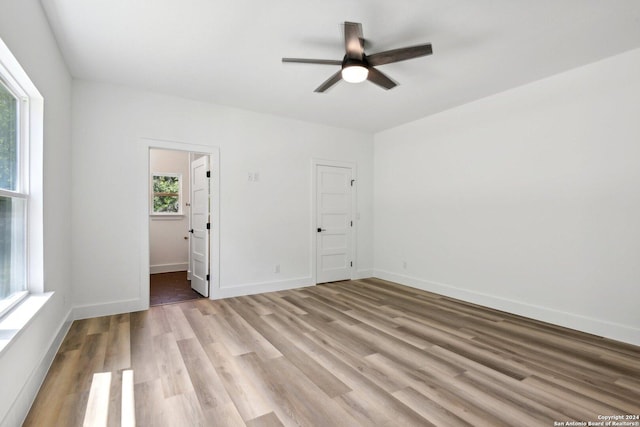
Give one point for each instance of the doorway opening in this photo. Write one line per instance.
(179, 225)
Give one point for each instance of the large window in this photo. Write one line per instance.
(13, 197)
(21, 185)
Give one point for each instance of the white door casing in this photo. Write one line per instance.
(199, 240)
(333, 223)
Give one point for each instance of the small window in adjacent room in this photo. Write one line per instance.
(13, 197)
(166, 198)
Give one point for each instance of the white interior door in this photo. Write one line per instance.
(199, 247)
(334, 222)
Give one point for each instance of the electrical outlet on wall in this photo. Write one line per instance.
(277, 268)
(250, 177)
(404, 265)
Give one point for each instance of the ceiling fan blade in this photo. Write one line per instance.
(329, 82)
(380, 79)
(313, 61)
(353, 40)
(401, 54)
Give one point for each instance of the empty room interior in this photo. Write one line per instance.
(340, 213)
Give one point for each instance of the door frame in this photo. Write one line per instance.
(314, 213)
(142, 209)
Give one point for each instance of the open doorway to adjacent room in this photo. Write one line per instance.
(178, 226)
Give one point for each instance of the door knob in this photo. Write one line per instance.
(191, 231)
(321, 230)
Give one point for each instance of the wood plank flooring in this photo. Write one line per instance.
(367, 352)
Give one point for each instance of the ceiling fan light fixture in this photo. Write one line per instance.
(354, 73)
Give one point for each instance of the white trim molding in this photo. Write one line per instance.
(169, 268)
(262, 287)
(363, 274)
(107, 309)
(591, 325)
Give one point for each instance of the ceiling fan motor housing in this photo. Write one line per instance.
(354, 62)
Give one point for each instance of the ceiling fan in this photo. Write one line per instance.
(357, 67)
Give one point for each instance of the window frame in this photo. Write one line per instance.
(21, 190)
(152, 194)
(31, 182)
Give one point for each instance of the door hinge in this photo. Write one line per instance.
(208, 174)
(352, 223)
(207, 277)
(351, 263)
(352, 181)
(208, 226)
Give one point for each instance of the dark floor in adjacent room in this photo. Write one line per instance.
(166, 288)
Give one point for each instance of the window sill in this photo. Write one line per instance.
(166, 216)
(14, 322)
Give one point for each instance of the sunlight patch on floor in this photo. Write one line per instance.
(97, 411)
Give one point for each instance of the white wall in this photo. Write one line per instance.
(527, 201)
(23, 364)
(168, 249)
(262, 223)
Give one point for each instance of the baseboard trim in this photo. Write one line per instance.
(363, 274)
(168, 268)
(131, 305)
(615, 331)
(20, 408)
(258, 288)
(107, 309)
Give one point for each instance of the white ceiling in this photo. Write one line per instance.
(229, 52)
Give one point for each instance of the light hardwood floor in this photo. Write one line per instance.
(365, 352)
